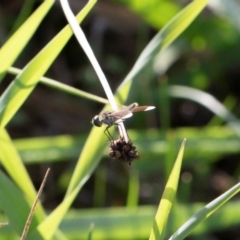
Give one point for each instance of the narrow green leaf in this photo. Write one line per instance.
(14, 46)
(25, 82)
(208, 101)
(87, 162)
(26, 10)
(63, 87)
(166, 36)
(160, 221)
(200, 216)
(155, 12)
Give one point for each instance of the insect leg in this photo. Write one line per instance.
(107, 133)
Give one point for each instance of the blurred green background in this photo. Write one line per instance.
(51, 127)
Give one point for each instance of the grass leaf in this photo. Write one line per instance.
(200, 216)
(19, 90)
(208, 101)
(15, 45)
(166, 36)
(160, 221)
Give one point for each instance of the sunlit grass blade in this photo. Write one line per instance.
(90, 233)
(14, 46)
(25, 82)
(88, 160)
(25, 12)
(200, 216)
(161, 218)
(208, 101)
(166, 36)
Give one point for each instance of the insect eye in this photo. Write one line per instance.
(96, 122)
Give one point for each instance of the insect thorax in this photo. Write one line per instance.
(107, 118)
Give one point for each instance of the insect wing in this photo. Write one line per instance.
(142, 108)
(132, 106)
(121, 114)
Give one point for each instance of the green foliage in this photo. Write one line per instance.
(158, 148)
(15, 45)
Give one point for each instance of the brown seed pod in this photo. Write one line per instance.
(122, 150)
(115, 154)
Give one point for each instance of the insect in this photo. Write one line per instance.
(113, 118)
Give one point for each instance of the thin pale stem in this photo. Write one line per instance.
(87, 49)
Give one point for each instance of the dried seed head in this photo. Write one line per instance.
(123, 151)
(115, 154)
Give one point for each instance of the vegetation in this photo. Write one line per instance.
(181, 59)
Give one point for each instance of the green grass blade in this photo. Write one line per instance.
(63, 87)
(14, 46)
(25, 12)
(166, 36)
(87, 162)
(207, 101)
(160, 221)
(88, 158)
(156, 13)
(25, 82)
(200, 216)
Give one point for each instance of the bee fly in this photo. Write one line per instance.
(113, 118)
